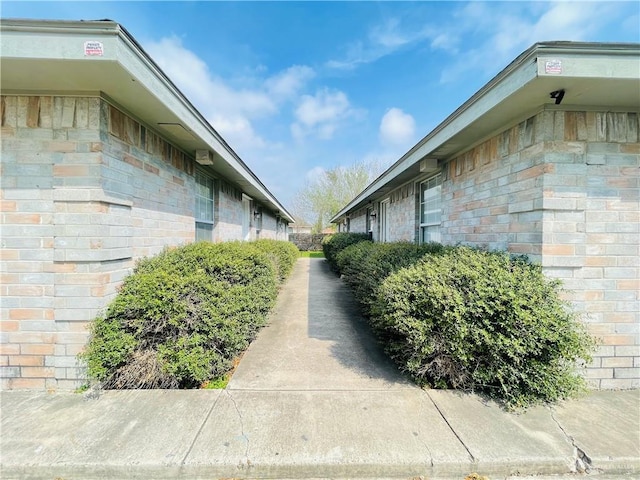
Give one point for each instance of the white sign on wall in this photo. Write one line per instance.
(93, 49)
(553, 66)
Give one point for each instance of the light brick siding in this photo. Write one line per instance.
(402, 216)
(358, 221)
(492, 195)
(228, 213)
(51, 168)
(562, 188)
(86, 190)
(271, 227)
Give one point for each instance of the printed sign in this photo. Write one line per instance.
(553, 66)
(93, 49)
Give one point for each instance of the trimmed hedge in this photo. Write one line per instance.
(335, 243)
(183, 316)
(365, 265)
(484, 321)
(283, 254)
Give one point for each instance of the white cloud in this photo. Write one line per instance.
(288, 83)
(397, 127)
(498, 31)
(325, 106)
(381, 41)
(446, 41)
(239, 130)
(321, 114)
(389, 35)
(509, 29)
(230, 110)
(209, 92)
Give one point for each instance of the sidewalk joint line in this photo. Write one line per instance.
(473, 459)
(195, 438)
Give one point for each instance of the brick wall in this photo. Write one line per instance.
(402, 214)
(272, 227)
(358, 221)
(562, 187)
(86, 190)
(51, 163)
(592, 235)
(154, 178)
(491, 195)
(228, 213)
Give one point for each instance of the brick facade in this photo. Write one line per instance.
(563, 188)
(86, 190)
(358, 221)
(228, 213)
(402, 214)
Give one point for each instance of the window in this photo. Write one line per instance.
(430, 209)
(384, 220)
(246, 217)
(204, 207)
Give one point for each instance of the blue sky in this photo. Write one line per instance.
(296, 87)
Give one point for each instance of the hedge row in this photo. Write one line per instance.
(464, 318)
(365, 265)
(183, 316)
(335, 243)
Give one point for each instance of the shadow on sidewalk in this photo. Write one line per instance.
(334, 316)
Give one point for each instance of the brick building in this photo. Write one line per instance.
(544, 160)
(104, 161)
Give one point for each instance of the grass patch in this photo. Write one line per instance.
(216, 384)
(311, 255)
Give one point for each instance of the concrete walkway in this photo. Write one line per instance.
(313, 397)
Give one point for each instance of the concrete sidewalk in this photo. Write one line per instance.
(313, 397)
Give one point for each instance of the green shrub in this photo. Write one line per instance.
(334, 244)
(283, 254)
(365, 265)
(349, 259)
(234, 262)
(183, 316)
(469, 319)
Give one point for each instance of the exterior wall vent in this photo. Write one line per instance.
(204, 157)
(428, 165)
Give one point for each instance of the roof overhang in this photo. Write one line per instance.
(39, 57)
(592, 75)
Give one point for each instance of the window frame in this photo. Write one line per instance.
(247, 212)
(209, 222)
(383, 213)
(426, 224)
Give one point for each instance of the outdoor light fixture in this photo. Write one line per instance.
(257, 213)
(373, 215)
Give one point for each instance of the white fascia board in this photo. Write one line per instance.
(583, 66)
(54, 40)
